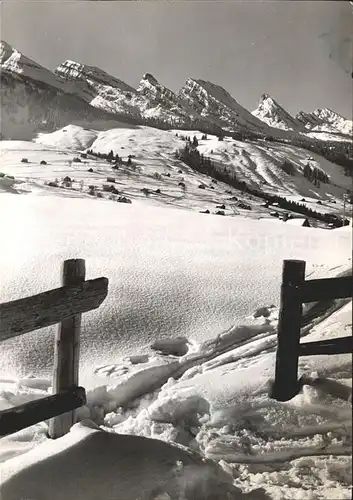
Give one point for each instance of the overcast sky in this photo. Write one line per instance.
(298, 52)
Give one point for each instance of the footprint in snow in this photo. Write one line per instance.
(116, 370)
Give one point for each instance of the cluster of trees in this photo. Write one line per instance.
(204, 165)
(193, 142)
(315, 175)
(111, 157)
(186, 138)
(192, 157)
(104, 156)
(288, 167)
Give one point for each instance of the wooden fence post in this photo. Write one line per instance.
(67, 346)
(286, 384)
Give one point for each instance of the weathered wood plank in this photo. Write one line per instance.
(327, 288)
(286, 384)
(339, 345)
(67, 345)
(38, 311)
(20, 417)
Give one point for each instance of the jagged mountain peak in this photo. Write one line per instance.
(327, 113)
(216, 104)
(271, 112)
(211, 88)
(163, 103)
(151, 88)
(267, 101)
(6, 50)
(264, 97)
(150, 78)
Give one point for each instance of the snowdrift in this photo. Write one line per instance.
(90, 464)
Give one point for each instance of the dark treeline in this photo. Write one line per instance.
(192, 157)
(110, 157)
(186, 123)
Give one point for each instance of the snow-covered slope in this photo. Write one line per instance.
(326, 120)
(154, 166)
(272, 113)
(259, 164)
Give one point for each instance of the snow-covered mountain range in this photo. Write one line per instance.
(326, 120)
(80, 93)
(151, 101)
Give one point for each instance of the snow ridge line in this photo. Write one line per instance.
(279, 456)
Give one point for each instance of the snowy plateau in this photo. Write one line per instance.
(188, 204)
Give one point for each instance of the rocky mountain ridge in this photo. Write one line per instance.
(199, 104)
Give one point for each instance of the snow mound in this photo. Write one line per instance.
(180, 407)
(88, 462)
(176, 346)
(69, 137)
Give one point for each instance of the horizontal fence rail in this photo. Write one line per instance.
(22, 416)
(48, 308)
(295, 291)
(327, 288)
(340, 345)
(65, 306)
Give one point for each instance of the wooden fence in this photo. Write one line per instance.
(65, 306)
(295, 291)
